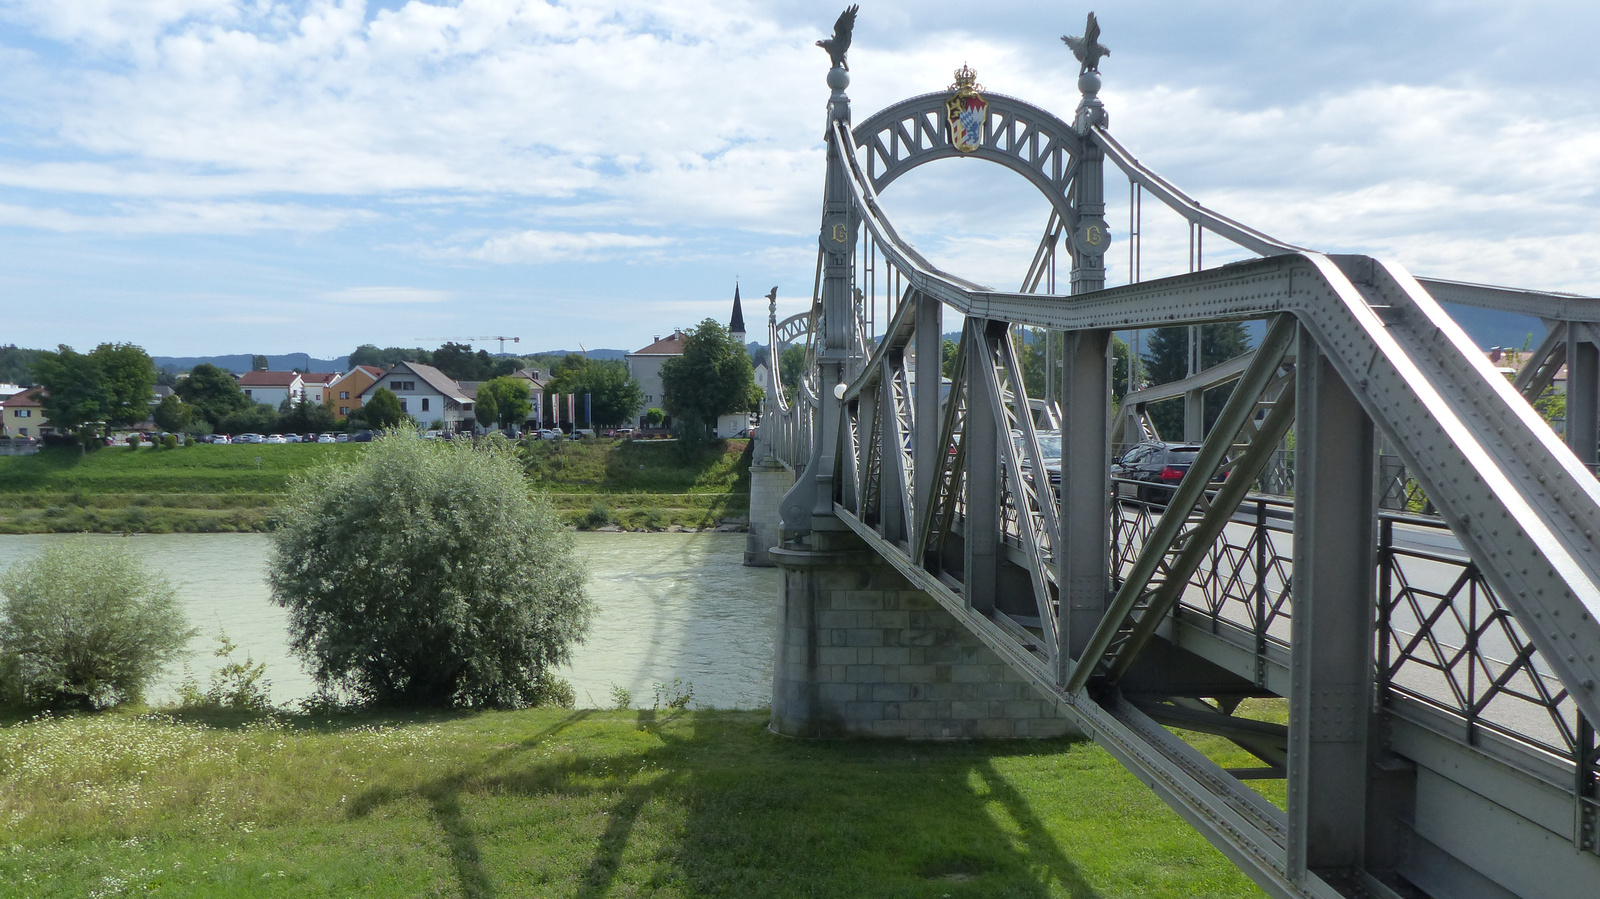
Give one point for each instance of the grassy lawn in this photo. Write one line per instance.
(593, 483)
(557, 803)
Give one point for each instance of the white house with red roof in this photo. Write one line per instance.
(271, 388)
(316, 384)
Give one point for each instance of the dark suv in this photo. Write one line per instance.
(1154, 470)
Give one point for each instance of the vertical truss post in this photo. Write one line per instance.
(1194, 402)
(1586, 755)
(929, 315)
(1083, 569)
(891, 486)
(1583, 392)
(1331, 655)
(981, 439)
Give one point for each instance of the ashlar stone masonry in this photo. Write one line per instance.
(863, 653)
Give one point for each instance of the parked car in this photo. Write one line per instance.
(361, 437)
(326, 438)
(341, 438)
(580, 433)
(249, 438)
(291, 438)
(1150, 471)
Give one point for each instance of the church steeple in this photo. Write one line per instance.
(736, 324)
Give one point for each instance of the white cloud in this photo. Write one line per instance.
(182, 217)
(385, 296)
(562, 246)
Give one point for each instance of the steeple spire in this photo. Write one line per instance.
(736, 324)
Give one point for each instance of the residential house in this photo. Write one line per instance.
(316, 384)
(343, 393)
(23, 416)
(426, 394)
(537, 414)
(644, 366)
(271, 388)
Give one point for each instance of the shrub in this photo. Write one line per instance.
(171, 441)
(427, 574)
(85, 625)
(236, 685)
(598, 516)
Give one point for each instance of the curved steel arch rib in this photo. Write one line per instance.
(1016, 134)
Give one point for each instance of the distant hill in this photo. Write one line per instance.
(240, 362)
(592, 354)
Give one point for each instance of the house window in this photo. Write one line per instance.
(248, 393)
(344, 394)
(344, 410)
(402, 385)
(403, 406)
(424, 404)
(22, 431)
(24, 413)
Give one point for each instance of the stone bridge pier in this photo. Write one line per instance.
(863, 653)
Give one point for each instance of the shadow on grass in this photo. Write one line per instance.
(710, 804)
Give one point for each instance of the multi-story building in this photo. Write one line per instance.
(22, 414)
(644, 366)
(343, 393)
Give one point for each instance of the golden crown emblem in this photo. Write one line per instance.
(966, 80)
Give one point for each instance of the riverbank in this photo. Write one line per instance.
(213, 489)
(557, 803)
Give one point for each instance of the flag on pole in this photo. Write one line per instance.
(572, 409)
(588, 416)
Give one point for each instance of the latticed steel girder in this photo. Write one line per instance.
(944, 489)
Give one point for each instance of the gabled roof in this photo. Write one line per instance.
(269, 378)
(320, 377)
(28, 398)
(431, 376)
(371, 371)
(671, 345)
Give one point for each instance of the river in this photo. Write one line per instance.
(669, 605)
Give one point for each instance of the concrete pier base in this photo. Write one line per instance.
(862, 653)
(768, 482)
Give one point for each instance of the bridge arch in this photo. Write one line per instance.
(1023, 137)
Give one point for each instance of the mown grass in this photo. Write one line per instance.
(201, 489)
(556, 803)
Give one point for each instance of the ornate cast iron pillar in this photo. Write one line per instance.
(808, 506)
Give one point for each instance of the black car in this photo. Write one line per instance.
(1151, 470)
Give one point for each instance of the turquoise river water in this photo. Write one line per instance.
(666, 605)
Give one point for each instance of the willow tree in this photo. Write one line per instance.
(427, 574)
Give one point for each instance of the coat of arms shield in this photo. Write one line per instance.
(965, 111)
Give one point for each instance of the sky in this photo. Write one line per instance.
(223, 176)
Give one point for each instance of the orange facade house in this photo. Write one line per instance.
(343, 394)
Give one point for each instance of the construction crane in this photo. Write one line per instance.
(491, 337)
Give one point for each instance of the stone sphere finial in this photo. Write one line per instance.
(1089, 83)
(838, 78)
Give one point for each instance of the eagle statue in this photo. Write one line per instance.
(838, 45)
(1088, 48)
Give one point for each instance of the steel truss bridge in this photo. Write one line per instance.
(1439, 670)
